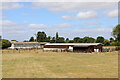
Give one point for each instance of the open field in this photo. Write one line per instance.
(59, 65)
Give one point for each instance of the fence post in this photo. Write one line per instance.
(19, 50)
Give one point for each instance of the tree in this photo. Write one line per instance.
(116, 33)
(106, 42)
(71, 41)
(100, 39)
(31, 39)
(81, 40)
(5, 43)
(57, 36)
(91, 40)
(0, 38)
(67, 40)
(76, 39)
(88, 40)
(25, 41)
(48, 39)
(53, 40)
(60, 40)
(111, 40)
(115, 43)
(41, 37)
(14, 40)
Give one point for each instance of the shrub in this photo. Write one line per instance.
(5, 43)
(115, 44)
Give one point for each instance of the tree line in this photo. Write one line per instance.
(42, 37)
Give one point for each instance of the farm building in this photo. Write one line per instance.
(73, 47)
(24, 45)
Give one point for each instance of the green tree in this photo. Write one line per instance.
(14, 40)
(41, 37)
(115, 43)
(116, 33)
(0, 38)
(111, 40)
(48, 39)
(57, 36)
(76, 39)
(53, 40)
(25, 41)
(91, 40)
(88, 40)
(31, 39)
(106, 42)
(60, 40)
(85, 39)
(71, 41)
(100, 39)
(5, 43)
(67, 40)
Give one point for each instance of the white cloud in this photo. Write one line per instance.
(68, 17)
(64, 25)
(7, 23)
(3, 16)
(29, 15)
(92, 32)
(10, 27)
(61, 1)
(12, 30)
(113, 13)
(87, 15)
(10, 5)
(37, 25)
(82, 16)
(93, 23)
(73, 6)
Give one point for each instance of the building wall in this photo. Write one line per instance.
(72, 49)
(54, 49)
(58, 48)
(97, 48)
(13, 46)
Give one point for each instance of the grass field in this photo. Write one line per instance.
(59, 65)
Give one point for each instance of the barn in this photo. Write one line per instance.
(73, 47)
(25, 45)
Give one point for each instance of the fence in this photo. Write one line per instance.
(111, 49)
(21, 50)
(41, 50)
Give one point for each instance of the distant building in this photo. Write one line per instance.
(73, 47)
(24, 45)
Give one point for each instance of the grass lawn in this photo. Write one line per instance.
(59, 65)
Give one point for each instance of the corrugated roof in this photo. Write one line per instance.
(74, 44)
(28, 42)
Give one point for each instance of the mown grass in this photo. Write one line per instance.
(59, 65)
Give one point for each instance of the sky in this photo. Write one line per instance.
(21, 20)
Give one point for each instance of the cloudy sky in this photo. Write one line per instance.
(21, 20)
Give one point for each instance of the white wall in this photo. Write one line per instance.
(57, 49)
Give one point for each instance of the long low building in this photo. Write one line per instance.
(25, 45)
(73, 47)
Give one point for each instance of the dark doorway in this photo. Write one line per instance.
(80, 49)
